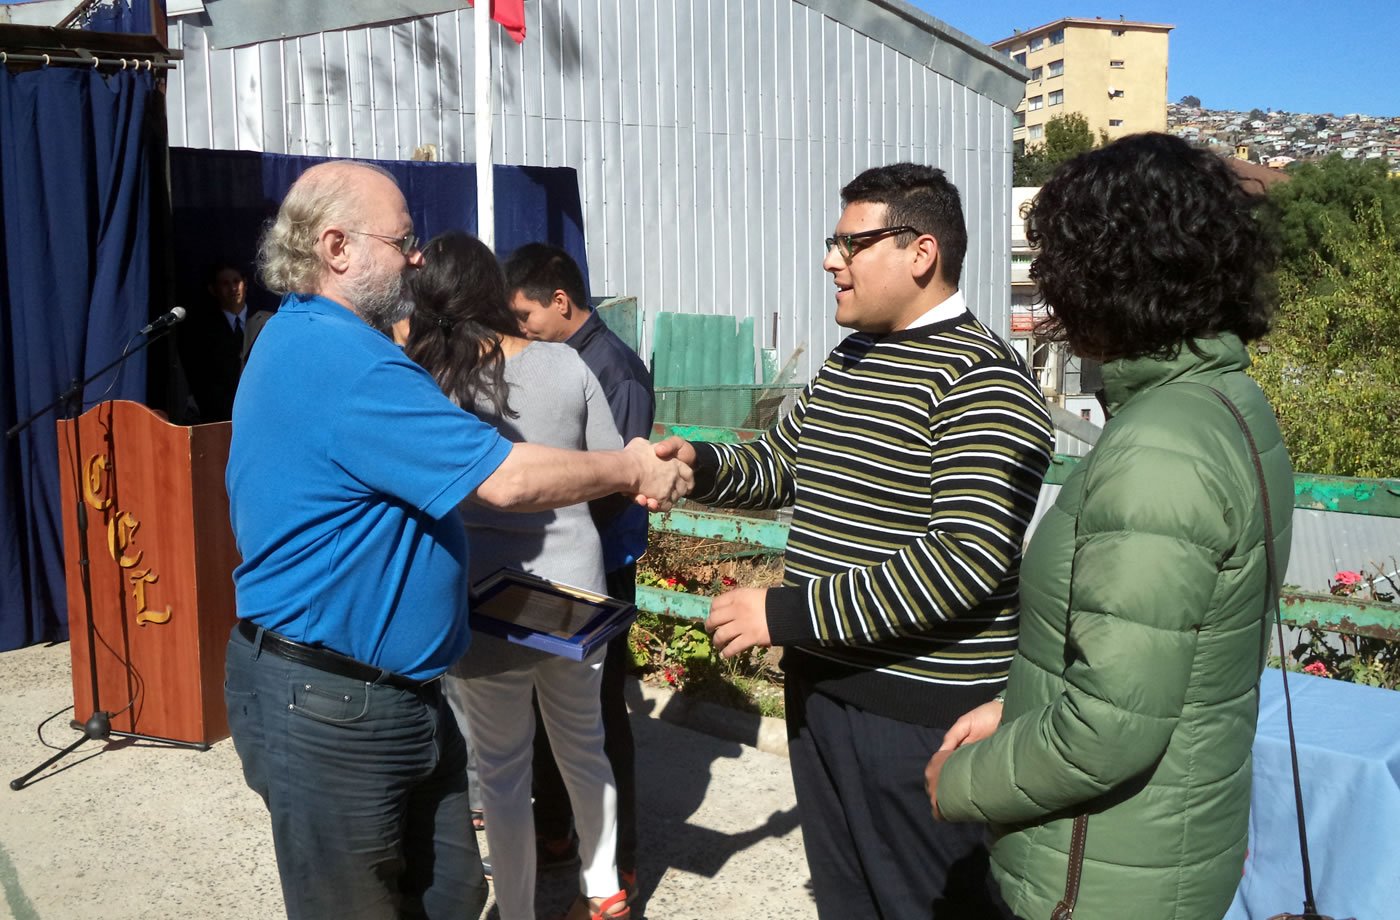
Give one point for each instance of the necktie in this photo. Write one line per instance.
(238, 329)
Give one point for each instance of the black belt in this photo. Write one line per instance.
(323, 659)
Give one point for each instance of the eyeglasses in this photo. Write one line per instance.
(849, 244)
(404, 244)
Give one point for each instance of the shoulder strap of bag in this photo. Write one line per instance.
(1309, 902)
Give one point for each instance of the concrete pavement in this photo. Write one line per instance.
(122, 830)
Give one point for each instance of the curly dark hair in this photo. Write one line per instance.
(1146, 244)
(460, 312)
(917, 196)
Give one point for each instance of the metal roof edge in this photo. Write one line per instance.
(933, 43)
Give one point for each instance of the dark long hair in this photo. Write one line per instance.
(460, 313)
(1146, 244)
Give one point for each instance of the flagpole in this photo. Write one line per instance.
(485, 181)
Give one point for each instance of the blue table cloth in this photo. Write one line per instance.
(1349, 759)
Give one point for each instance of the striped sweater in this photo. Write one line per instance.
(913, 461)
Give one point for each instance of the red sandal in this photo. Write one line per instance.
(610, 908)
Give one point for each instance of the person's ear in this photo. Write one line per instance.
(925, 257)
(333, 249)
(561, 304)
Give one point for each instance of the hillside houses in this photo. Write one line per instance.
(1280, 138)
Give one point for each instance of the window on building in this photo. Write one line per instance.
(1035, 132)
(1020, 58)
(1019, 120)
(1057, 97)
(1037, 43)
(1034, 103)
(1057, 37)
(1057, 67)
(1112, 122)
(1037, 72)
(1115, 93)
(1119, 33)
(1086, 414)
(1116, 65)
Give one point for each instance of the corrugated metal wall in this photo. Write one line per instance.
(710, 146)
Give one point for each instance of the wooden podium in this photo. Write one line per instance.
(161, 557)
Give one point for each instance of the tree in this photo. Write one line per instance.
(1317, 211)
(1254, 115)
(1065, 136)
(1331, 365)
(1191, 101)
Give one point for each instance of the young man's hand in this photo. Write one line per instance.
(739, 621)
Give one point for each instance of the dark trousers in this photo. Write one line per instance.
(872, 845)
(366, 787)
(553, 814)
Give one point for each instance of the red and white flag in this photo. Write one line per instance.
(511, 15)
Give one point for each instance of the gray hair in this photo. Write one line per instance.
(324, 195)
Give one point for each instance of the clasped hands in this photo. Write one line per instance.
(973, 725)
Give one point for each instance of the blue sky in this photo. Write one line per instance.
(1286, 54)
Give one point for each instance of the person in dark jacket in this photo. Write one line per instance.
(1146, 601)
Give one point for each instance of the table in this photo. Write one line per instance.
(1349, 760)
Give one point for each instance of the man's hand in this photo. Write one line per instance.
(931, 772)
(676, 447)
(738, 620)
(660, 482)
(973, 725)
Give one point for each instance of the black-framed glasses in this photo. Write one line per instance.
(849, 244)
(404, 244)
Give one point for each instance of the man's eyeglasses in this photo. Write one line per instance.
(404, 244)
(849, 244)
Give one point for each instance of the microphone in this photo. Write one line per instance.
(163, 321)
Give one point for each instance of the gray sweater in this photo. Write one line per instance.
(558, 403)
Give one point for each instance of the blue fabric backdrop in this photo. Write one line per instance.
(74, 289)
(222, 198)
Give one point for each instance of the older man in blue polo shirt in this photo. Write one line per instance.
(345, 466)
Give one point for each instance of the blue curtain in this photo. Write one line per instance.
(222, 198)
(75, 162)
(120, 16)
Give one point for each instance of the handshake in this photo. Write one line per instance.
(663, 471)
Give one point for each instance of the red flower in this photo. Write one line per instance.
(728, 582)
(1317, 668)
(1347, 578)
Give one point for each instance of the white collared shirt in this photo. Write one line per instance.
(240, 317)
(955, 305)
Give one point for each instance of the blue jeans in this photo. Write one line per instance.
(366, 786)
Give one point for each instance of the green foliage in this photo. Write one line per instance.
(1192, 101)
(1319, 209)
(1356, 659)
(1065, 136)
(1331, 365)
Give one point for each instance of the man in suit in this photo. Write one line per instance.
(213, 343)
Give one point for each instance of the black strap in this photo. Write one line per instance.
(1065, 909)
(1309, 902)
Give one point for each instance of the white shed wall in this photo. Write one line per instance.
(710, 148)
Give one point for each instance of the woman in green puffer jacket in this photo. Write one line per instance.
(1144, 597)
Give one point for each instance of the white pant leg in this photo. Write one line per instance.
(569, 696)
(503, 727)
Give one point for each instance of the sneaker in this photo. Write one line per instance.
(556, 854)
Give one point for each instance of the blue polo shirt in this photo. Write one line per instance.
(345, 470)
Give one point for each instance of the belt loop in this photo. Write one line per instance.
(383, 677)
(257, 643)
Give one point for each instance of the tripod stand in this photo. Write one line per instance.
(98, 726)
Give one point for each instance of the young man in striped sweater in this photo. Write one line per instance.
(913, 462)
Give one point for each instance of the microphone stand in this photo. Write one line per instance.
(98, 727)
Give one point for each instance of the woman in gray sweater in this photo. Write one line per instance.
(464, 334)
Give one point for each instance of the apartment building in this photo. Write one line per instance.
(1112, 72)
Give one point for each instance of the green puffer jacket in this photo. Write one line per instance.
(1134, 692)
